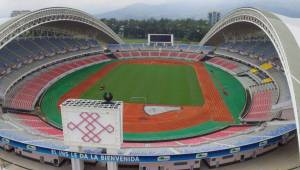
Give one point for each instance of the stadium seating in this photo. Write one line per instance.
(260, 108)
(287, 114)
(240, 136)
(242, 140)
(24, 97)
(277, 128)
(152, 151)
(25, 51)
(266, 66)
(264, 73)
(230, 65)
(206, 147)
(260, 49)
(146, 47)
(270, 130)
(163, 54)
(34, 123)
(225, 133)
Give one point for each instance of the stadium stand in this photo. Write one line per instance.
(162, 54)
(28, 65)
(265, 92)
(25, 95)
(230, 65)
(260, 107)
(146, 47)
(34, 125)
(262, 50)
(262, 94)
(27, 50)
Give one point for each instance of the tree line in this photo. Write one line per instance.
(184, 30)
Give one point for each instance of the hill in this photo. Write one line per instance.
(198, 9)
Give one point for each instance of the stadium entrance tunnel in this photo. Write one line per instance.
(247, 25)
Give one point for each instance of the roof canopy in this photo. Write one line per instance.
(282, 31)
(15, 26)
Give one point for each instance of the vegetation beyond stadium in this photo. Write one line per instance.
(184, 30)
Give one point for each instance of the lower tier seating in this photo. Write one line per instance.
(260, 109)
(167, 54)
(25, 96)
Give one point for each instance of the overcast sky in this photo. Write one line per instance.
(90, 6)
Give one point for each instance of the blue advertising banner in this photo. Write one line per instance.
(137, 159)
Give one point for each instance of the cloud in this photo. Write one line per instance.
(90, 6)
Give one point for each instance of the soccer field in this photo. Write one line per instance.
(150, 84)
(49, 102)
(161, 84)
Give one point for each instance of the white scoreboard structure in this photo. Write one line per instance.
(92, 123)
(161, 39)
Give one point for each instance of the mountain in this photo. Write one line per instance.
(198, 9)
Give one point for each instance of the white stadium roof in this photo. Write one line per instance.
(294, 26)
(283, 32)
(11, 28)
(3, 20)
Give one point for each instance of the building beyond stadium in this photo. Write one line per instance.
(258, 48)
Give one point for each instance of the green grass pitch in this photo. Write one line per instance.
(151, 84)
(169, 79)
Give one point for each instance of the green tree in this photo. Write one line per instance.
(184, 30)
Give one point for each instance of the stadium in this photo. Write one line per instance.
(230, 98)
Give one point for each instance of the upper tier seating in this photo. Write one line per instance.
(263, 50)
(27, 50)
